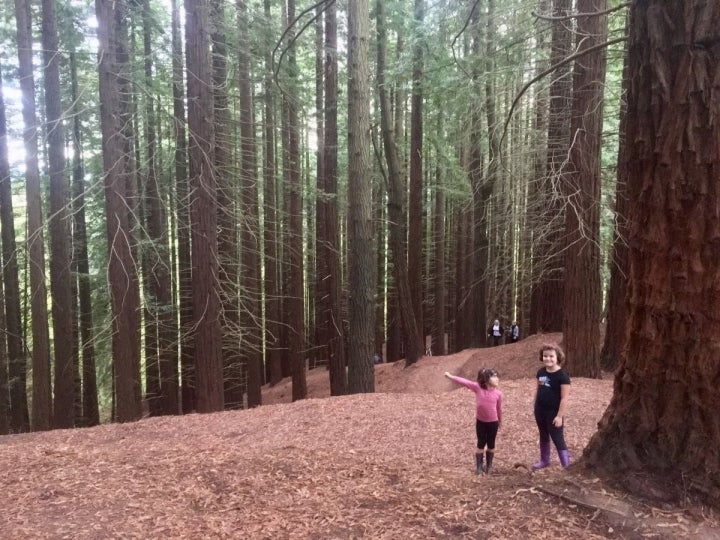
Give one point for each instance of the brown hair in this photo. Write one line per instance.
(552, 347)
(484, 375)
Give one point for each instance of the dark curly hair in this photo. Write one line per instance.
(484, 376)
(553, 347)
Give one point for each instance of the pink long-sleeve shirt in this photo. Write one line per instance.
(488, 402)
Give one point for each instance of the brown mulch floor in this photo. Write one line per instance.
(396, 464)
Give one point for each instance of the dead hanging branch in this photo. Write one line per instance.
(549, 70)
(579, 15)
(290, 26)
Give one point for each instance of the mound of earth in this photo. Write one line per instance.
(516, 361)
(395, 464)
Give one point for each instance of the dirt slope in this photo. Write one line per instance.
(395, 464)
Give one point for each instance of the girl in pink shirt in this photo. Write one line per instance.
(488, 403)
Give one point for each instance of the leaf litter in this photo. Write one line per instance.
(397, 464)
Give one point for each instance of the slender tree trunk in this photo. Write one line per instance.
(661, 419)
(615, 329)
(272, 263)
(229, 257)
(333, 317)
(206, 288)
(250, 276)
(547, 257)
(320, 290)
(4, 358)
(395, 212)
(160, 312)
(122, 272)
(482, 189)
(295, 295)
(90, 410)
(60, 244)
(535, 198)
(415, 194)
(581, 320)
(4, 391)
(361, 308)
(187, 350)
(42, 395)
(19, 418)
(438, 274)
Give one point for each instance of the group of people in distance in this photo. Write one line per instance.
(496, 331)
(552, 389)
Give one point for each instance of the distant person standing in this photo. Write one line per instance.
(514, 332)
(495, 331)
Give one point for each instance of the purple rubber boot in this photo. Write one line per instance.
(544, 457)
(564, 456)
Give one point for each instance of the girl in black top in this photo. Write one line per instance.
(553, 387)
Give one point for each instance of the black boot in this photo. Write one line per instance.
(490, 456)
(478, 463)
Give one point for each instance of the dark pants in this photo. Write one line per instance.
(544, 419)
(486, 434)
(496, 340)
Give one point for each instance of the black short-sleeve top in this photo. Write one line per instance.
(548, 390)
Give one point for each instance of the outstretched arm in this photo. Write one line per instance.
(472, 385)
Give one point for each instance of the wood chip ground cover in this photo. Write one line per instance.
(396, 464)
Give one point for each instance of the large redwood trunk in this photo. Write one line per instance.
(122, 272)
(333, 317)
(361, 260)
(546, 311)
(203, 211)
(581, 317)
(59, 224)
(663, 416)
(616, 305)
(42, 395)
(19, 418)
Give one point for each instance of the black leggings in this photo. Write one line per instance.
(544, 419)
(486, 434)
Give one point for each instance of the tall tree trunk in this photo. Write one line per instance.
(206, 288)
(19, 418)
(547, 312)
(535, 195)
(319, 291)
(4, 390)
(661, 418)
(4, 357)
(415, 253)
(227, 196)
(272, 263)
(616, 326)
(60, 243)
(395, 212)
(90, 415)
(295, 293)
(42, 395)
(160, 313)
(482, 189)
(438, 273)
(122, 272)
(581, 318)
(250, 275)
(491, 181)
(187, 350)
(333, 319)
(361, 307)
